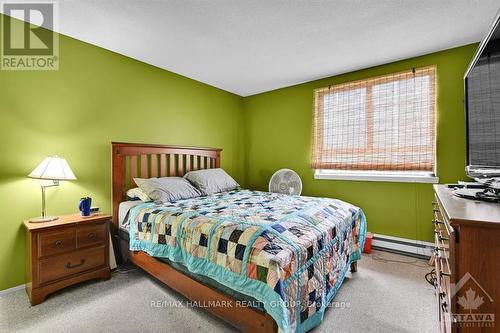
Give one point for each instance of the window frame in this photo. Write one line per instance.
(377, 176)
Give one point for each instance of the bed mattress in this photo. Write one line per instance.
(123, 212)
(290, 253)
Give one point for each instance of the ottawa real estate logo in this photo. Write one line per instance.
(472, 301)
(28, 40)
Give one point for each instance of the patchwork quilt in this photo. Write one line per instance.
(289, 252)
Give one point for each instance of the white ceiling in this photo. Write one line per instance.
(251, 46)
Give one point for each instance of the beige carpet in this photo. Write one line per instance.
(382, 296)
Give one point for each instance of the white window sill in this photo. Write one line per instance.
(377, 176)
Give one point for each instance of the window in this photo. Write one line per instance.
(378, 126)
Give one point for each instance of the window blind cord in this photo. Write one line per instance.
(415, 189)
(417, 218)
(415, 239)
(415, 262)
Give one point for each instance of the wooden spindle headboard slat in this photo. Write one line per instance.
(188, 163)
(171, 171)
(180, 159)
(195, 162)
(133, 169)
(163, 165)
(180, 164)
(144, 166)
(153, 168)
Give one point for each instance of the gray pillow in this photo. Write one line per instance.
(167, 189)
(210, 181)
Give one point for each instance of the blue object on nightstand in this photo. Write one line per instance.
(85, 204)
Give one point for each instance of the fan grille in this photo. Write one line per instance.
(285, 181)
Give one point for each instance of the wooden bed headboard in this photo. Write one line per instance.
(131, 160)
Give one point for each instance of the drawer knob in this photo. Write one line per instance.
(68, 265)
(58, 242)
(444, 307)
(92, 235)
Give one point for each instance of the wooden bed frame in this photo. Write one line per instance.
(146, 160)
(150, 160)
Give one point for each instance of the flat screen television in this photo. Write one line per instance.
(482, 104)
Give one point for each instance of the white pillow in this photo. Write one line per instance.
(211, 181)
(137, 193)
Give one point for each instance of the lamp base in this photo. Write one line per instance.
(41, 219)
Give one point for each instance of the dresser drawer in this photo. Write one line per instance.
(57, 267)
(444, 240)
(443, 297)
(55, 242)
(91, 234)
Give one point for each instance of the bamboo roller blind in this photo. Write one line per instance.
(385, 123)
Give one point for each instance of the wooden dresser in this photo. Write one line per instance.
(66, 251)
(467, 253)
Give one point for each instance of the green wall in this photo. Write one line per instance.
(278, 135)
(96, 97)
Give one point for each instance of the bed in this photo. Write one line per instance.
(264, 262)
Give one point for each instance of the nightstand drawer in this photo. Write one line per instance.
(67, 264)
(91, 234)
(54, 242)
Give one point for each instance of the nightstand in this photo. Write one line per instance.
(64, 252)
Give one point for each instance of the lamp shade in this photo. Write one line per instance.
(53, 168)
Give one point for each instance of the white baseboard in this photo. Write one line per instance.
(404, 245)
(11, 290)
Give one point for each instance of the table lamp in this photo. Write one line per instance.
(51, 168)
